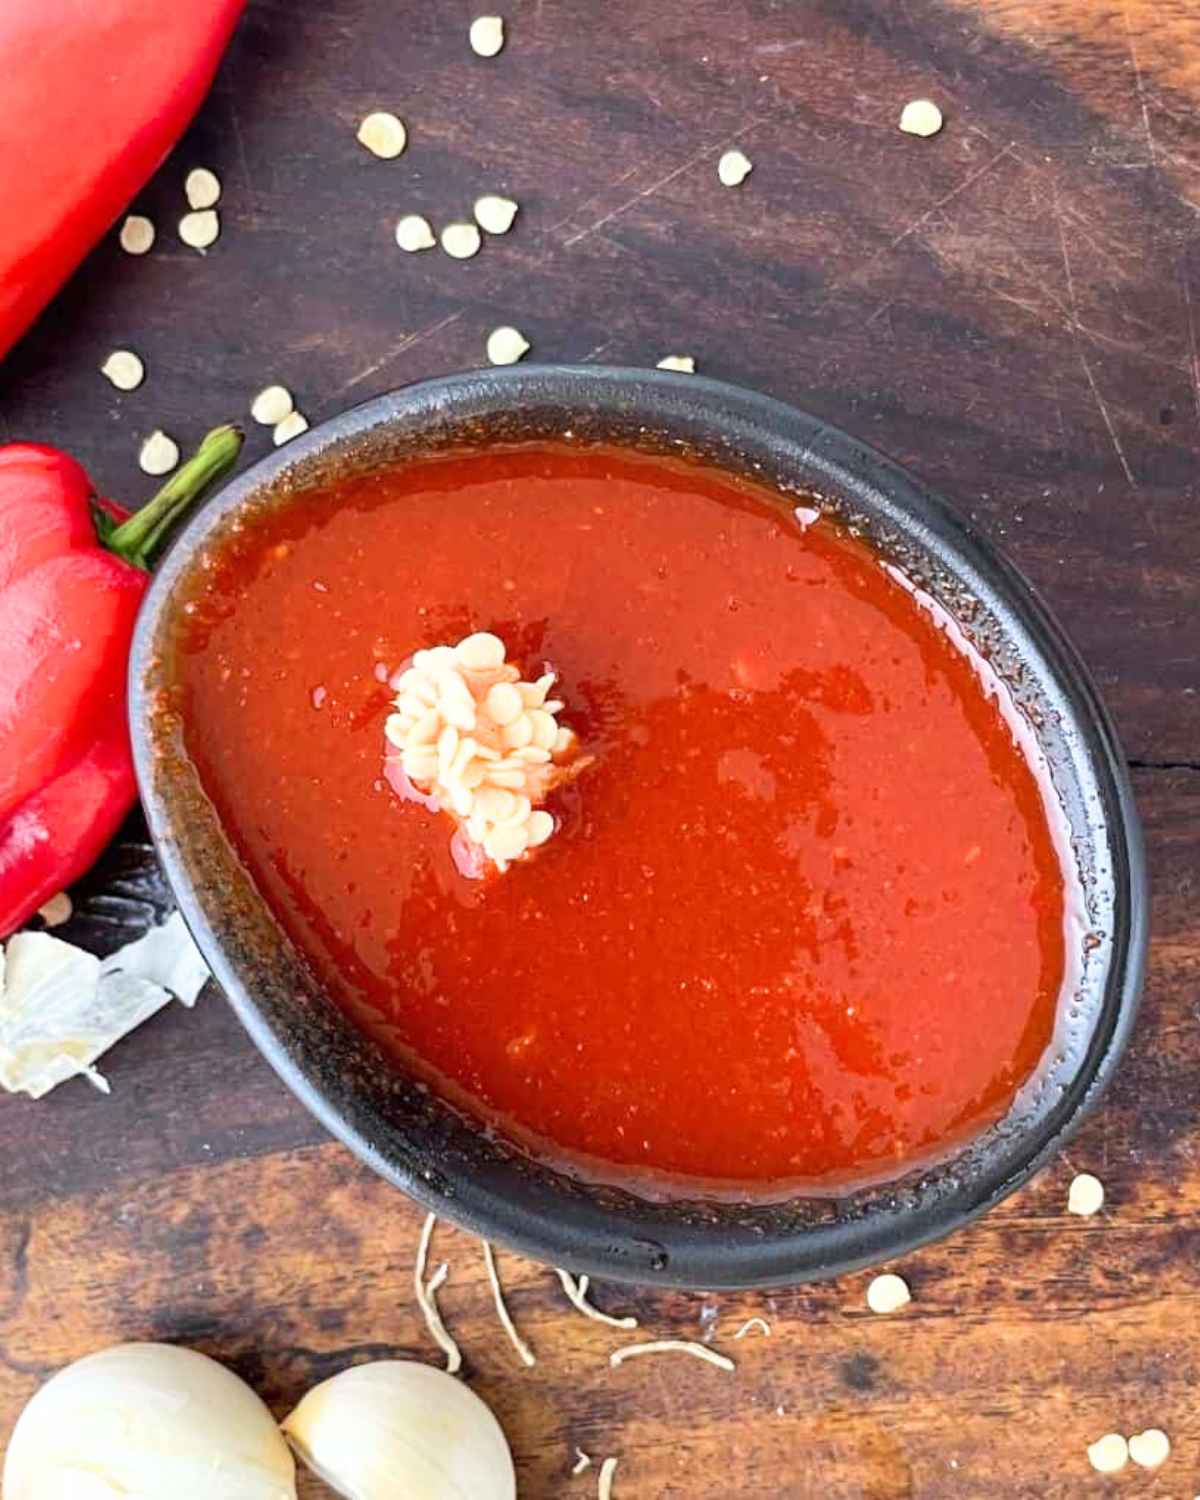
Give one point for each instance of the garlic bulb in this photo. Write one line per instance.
(146, 1421)
(400, 1428)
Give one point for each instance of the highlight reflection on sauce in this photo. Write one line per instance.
(804, 919)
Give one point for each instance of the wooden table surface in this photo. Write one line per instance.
(1009, 308)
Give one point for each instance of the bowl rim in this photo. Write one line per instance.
(623, 1243)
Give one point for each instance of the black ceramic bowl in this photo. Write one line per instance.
(451, 1165)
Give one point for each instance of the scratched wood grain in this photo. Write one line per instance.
(1010, 308)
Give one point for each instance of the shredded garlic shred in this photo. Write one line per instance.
(604, 1484)
(426, 1294)
(577, 1296)
(669, 1346)
(582, 1461)
(525, 1353)
(759, 1323)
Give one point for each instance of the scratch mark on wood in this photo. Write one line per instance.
(742, 132)
(251, 191)
(1194, 359)
(595, 198)
(1139, 84)
(1108, 421)
(777, 49)
(1093, 335)
(968, 181)
(598, 350)
(1087, 369)
(409, 341)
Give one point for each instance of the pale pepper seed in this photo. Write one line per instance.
(124, 369)
(1150, 1449)
(1109, 1454)
(200, 229)
(413, 233)
(505, 346)
(159, 454)
(272, 405)
(383, 135)
(495, 214)
(291, 426)
(920, 117)
(202, 188)
(137, 234)
(684, 364)
(733, 168)
(888, 1294)
(461, 240)
(1086, 1195)
(487, 35)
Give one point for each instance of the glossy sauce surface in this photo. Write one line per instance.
(803, 920)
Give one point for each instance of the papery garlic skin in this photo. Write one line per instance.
(396, 1427)
(147, 1422)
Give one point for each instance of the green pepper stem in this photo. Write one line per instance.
(139, 538)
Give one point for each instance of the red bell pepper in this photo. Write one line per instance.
(93, 95)
(71, 580)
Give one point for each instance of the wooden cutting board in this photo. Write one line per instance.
(1009, 308)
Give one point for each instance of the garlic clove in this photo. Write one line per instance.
(148, 1419)
(393, 1425)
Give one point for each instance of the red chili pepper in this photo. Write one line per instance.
(71, 580)
(93, 95)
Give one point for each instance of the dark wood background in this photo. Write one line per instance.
(1009, 308)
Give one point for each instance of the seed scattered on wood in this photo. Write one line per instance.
(202, 188)
(200, 228)
(272, 405)
(505, 346)
(672, 1346)
(137, 234)
(292, 426)
(124, 369)
(685, 364)
(461, 240)
(888, 1293)
(1150, 1449)
(159, 454)
(487, 35)
(1086, 1195)
(413, 232)
(1109, 1454)
(733, 168)
(920, 117)
(495, 214)
(383, 135)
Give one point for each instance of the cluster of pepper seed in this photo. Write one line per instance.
(486, 745)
